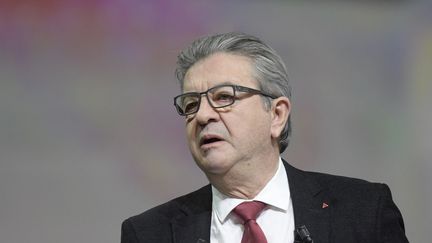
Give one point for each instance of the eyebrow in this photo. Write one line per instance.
(221, 84)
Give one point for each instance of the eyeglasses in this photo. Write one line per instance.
(218, 97)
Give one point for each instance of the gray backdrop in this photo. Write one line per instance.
(89, 135)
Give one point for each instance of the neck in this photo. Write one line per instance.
(247, 179)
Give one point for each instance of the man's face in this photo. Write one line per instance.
(225, 138)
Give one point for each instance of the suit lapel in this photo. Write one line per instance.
(192, 228)
(194, 224)
(310, 203)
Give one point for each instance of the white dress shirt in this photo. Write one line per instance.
(276, 220)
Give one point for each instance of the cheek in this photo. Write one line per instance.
(255, 127)
(190, 133)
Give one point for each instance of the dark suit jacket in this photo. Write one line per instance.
(357, 211)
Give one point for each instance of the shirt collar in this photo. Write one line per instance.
(276, 194)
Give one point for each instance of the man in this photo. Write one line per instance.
(236, 103)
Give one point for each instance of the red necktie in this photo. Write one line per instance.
(248, 212)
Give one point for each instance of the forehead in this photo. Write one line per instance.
(219, 68)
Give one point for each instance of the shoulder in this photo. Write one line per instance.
(366, 208)
(176, 207)
(337, 186)
(343, 183)
(344, 193)
(350, 188)
(355, 194)
(364, 205)
(158, 219)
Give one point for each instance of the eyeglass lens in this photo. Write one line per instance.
(218, 97)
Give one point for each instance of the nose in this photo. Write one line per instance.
(206, 113)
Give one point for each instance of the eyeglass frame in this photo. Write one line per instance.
(235, 88)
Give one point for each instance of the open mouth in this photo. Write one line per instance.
(209, 140)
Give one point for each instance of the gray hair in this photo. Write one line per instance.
(269, 68)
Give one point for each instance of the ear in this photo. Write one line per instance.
(281, 108)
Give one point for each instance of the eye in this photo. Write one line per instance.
(223, 97)
(190, 106)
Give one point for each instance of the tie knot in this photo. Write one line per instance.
(249, 210)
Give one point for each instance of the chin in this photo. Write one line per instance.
(211, 165)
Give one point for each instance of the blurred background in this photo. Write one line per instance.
(89, 135)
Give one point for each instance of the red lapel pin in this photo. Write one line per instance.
(324, 205)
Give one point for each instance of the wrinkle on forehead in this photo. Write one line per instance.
(217, 69)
